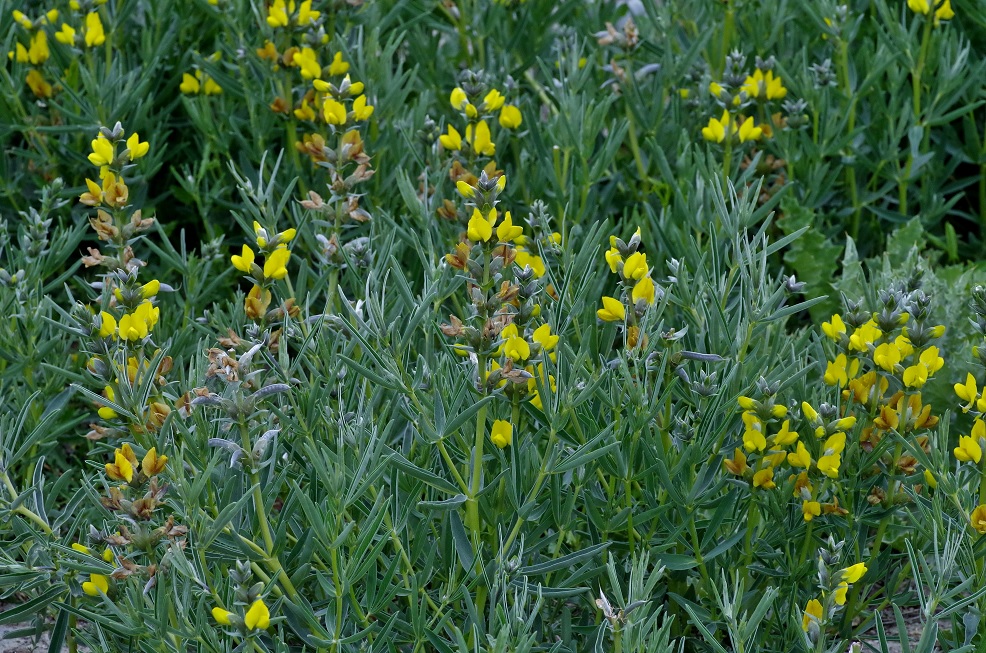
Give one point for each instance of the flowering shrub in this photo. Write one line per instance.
(510, 326)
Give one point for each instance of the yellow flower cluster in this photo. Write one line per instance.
(942, 8)
(282, 14)
(478, 136)
(760, 87)
(97, 583)
(814, 613)
(197, 82)
(274, 268)
(638, 290)
(257, 616)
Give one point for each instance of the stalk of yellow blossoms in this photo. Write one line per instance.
(638, 292)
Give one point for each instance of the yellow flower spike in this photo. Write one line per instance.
(613, 258)
(451, 141)
(635, 267)
(799, 458)
(275, 267)
(244, 262)
(785, 436)
(362, 110)
(715, 131)
(749, 132)
(308, 64)
(612, 310)
(764, 479)
(66, 34)
(853, 573)
(222, 617)
(810, 509)
(493, 100)
(813, 612)
(482, 141)
(137, 149)
(835, 329)
(107, 326)
(643, 290)
(543, 336)
(507, 231)
(96, 585)
(153, 464)
(103, 152)
(510, 117)
(334, 112)
(517, 348)
(978, 518)
(94, 34)
(502, 433)
(338, 66)
(737, 464)
(258, 616)
(189, 84)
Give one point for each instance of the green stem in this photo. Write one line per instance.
(472, 503)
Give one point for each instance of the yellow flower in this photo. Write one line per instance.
(835, 329)
(930, 479)
(96, 584)
(465, 189)
(915, 376)
(338, 65)
(968, 391)
(132, 327)
(153, 464)
(635, 267)
(613, 258)
(737, 464)
(493, 100)
(94, 30)
(919, 6)
(107, 326)
(764, 479)
(258, 616)
(211, 87)
(452, 140)
(480, 229)
(189, 84)
(361, 110)
(81, 548)
(307, 61)
(785, 436)
(510, 117)
(507, 231)
(978, 518)
(643, 290)
(853, 573)
(799, 458)
(543, 336)
(502, 433)
(840, 371)
(864, 336)
(840, 593)
(480, 139)
(222, 616)
(887, 356)
(813, 611)
(38, 53)
(305, 13)
(612, 310)
(334, 112)
(749, 132)
(305, 112)
(275, 267)
(944, 11)
(244, 262)
(19, 54)
(716, 129)
(458, 99)
(66, 35)
(517, 348)
(969, 448)
(836, 443)
(21, 19)
(526, 259)
(103, 152)
(122, 467)
(810, 509)
(106, 412)
(136, 148)
(829, 465)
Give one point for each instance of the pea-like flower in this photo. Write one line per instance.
(502, 433)
(258, 616)
(510, 117)
(612, 310)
